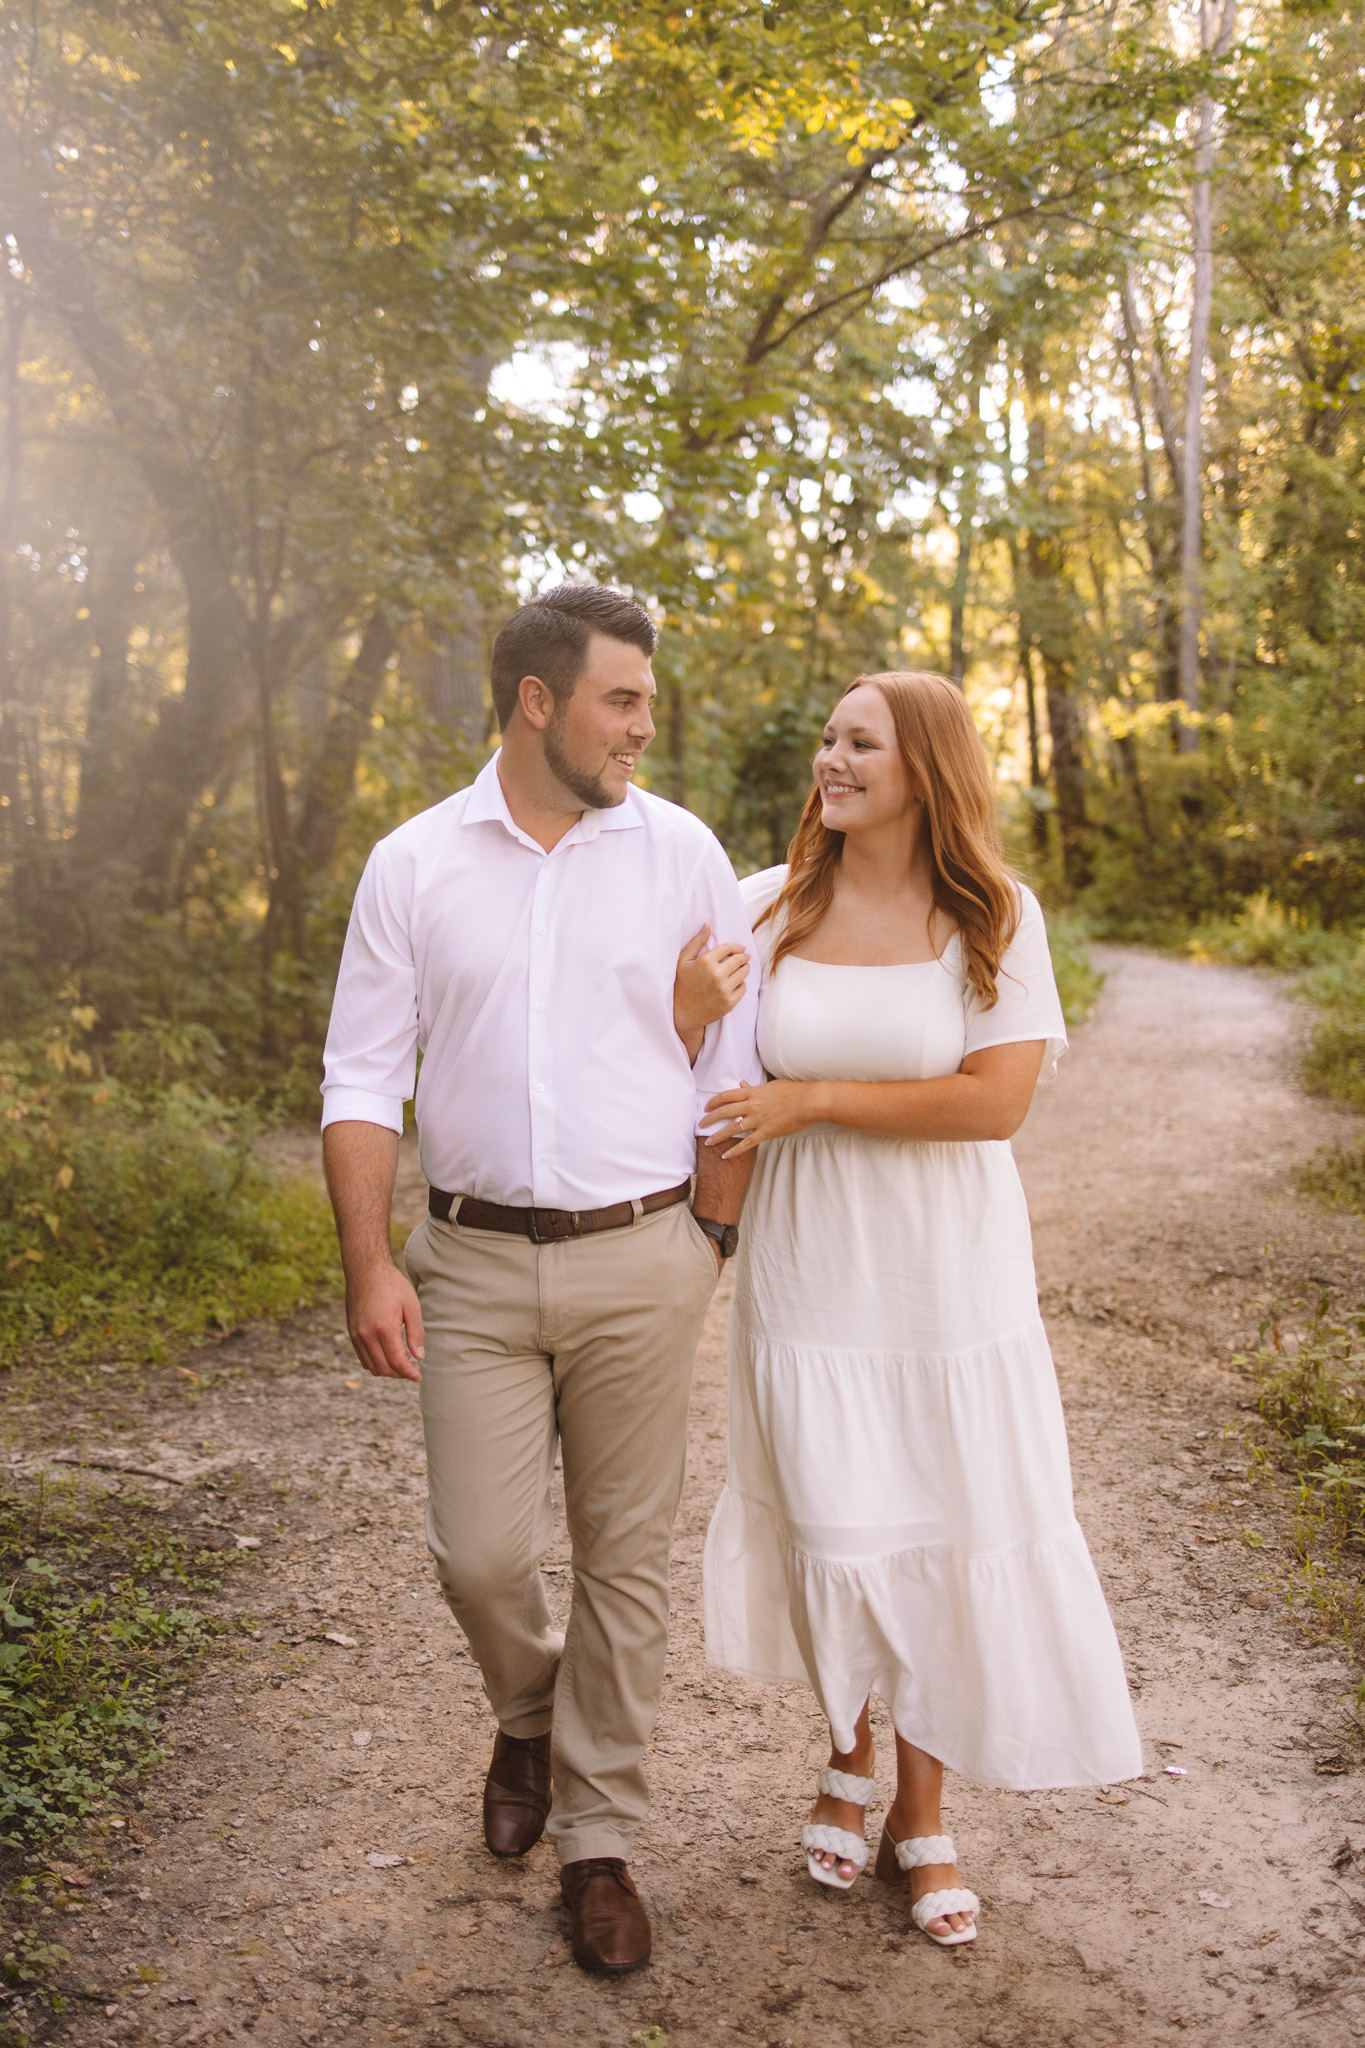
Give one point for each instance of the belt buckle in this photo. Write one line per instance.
(539, 1234)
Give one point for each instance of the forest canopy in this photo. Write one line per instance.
(1020, 341)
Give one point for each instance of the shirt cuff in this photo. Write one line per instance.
(341, 1105)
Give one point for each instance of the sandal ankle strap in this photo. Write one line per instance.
(843, 1785)
(917, 1850)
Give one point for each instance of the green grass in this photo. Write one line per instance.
(135, 1212)
(1310, 1395)
(1079, 981)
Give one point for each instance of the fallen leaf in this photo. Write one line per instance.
(72, 1873)
(1212, 1899)
(362, 1738)
(378, 1862)
(1334, 1765)
(1113, 1798)
(1264, 1940)
(247, 1542)
(353, 1384)
(335, 1636)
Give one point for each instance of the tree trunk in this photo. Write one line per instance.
(1192, 465)
(101, 805)
(331, 778)
(1050, 624)
(448, 663)
(11, 455)
(197, 730)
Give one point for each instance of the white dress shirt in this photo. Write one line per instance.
(539, 989)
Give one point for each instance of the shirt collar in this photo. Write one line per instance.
(488, 806)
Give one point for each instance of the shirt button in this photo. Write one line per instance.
(540, 931)
(540, 1087)
(538, 1009)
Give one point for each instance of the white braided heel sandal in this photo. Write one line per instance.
(896, 1860)
(847, 1847)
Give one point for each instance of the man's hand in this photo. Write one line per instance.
(382, 1310)
(385, 1322)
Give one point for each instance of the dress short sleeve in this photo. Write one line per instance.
(758, 892)
(1027, 1004)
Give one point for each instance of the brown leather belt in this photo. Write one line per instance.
(550, 1226)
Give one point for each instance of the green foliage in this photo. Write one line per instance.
(1311, 1396)
(134, 1209)
(1079, 981)
(1336, 1176)
(1269, 934)
(88, 1640)
(1334, 1064)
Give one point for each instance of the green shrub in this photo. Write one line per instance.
(1079, 981)
(1314, 1399)
(1267, 934)
(1336, 1176)
(133, 1206)
(87, 1641)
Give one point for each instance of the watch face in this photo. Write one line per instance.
(729, 1243)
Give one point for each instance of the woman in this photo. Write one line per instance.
(898, 1513)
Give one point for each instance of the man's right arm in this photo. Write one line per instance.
(382, 1310)
(369, 1067)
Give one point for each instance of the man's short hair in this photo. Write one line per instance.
(549, 638)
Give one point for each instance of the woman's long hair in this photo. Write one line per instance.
(942, 749)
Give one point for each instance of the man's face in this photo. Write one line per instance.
(598, 733)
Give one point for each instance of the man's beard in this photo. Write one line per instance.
(589, 789)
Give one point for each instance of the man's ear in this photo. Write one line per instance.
(537, 702)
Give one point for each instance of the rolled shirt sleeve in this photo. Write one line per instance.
(370, 1058)
(729, 1054)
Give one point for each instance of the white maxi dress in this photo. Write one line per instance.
(898, 1514)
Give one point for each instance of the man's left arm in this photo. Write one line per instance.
(729, 1054)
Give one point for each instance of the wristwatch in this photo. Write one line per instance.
(725, 1236)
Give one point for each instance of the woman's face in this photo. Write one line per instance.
(859, 770)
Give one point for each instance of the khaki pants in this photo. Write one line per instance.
(588, 1344)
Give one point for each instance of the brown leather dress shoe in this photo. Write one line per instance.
(610, 1926)
(516, 1793)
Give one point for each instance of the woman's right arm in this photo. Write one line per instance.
(987, 1098)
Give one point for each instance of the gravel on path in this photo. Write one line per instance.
(314, 1870)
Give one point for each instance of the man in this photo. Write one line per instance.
(524, 934)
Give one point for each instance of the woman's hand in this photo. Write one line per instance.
(777, 1109)
(706, 987)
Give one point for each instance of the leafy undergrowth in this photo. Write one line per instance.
(99, 1617)
(1311, 1397)
(1079, 981)
(96, 1620)
(135, 1210)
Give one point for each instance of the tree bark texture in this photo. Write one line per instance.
(1048, 623)
(1192, 452)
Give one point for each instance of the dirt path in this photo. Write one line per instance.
(1203, 1906)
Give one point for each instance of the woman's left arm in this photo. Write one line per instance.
(987, 1098)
